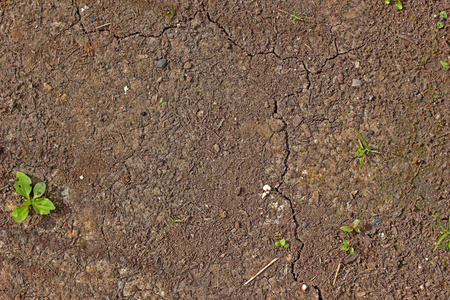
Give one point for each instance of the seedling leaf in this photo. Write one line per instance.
(439, 25)
(38, 190)
(443, 236)
(443, 15)
(346, 229)
(23, 185)
(399, 5)
(277, 244)
(20, 214)
(445, 64)
(43, 206)
(283, 242)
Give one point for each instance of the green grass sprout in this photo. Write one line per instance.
(364, 148)
(445, 234)
(170, 225)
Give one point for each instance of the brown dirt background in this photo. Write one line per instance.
(247, 98)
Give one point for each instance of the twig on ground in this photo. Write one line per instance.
(337, 272)
(262, 270)
(98, 27)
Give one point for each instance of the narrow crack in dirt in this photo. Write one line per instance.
(277, 189)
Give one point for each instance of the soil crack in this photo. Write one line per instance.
(278, 190)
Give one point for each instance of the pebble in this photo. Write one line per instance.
(356, 83)
(276, 125)
(304, 224)
(162, 63)
(216, 148)
(143, 113)
(377, 223)
(187, 65)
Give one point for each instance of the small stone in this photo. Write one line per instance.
(377, 223)
(162, 63)
(143, 113)
(356, 83)
(187, 65)
(33, 232)
(296, 120)
(315, 198)
(266, 104)
(216, 148)
(304, 224)
(47, 86)
(264, 130)
(237, 225)
(276, 125)
(306, 130)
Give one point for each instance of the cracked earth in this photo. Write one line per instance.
(135, 112)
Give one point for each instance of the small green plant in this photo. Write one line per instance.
(397, 4)
(442, 17)
(42, 205)
(352, 229)
(445, 64)
(282, 243)
(162, 102)
(169, 12)
(295, 18)
(445, 234)
(364, 148)
(293, 15)
(346, 246)
(171, 223)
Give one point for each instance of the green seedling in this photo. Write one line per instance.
(171, 223)
(169, 12)
(364, 148)
(162, 102)
(282, 243)
(42, 205)
(352, 229)
(346, 246)
(397, 4)
(445, 64)
(445, 234)
(293, 15)
(295, 18)
(442, 17)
